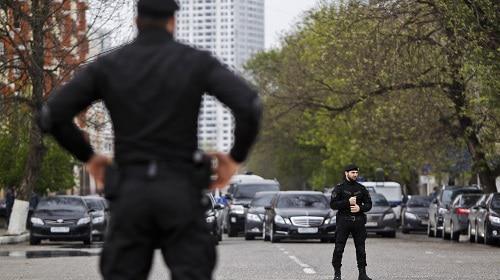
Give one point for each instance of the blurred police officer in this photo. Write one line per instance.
(352, 201)
(153, 88)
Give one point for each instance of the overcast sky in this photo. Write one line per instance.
(282, 15)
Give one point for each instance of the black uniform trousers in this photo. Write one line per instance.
(350, 225)
(161, 211)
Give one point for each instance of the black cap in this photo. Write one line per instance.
(351, 167)
(157, 8)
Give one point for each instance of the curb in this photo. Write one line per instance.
(13, 239)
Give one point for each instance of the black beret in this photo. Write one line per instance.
(157, 8)
(351, 167)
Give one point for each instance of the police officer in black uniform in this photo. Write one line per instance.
(153, 88)
(352, 201)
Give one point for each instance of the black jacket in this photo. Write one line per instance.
(153, 88)
(341, 194)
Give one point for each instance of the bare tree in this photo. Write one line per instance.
(42, 43)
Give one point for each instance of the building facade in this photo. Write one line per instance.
(65, 43)
(233, 31)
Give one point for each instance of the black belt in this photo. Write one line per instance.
(151, 168)
(353, 218)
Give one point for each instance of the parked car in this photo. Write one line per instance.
(254, 221)
(213, 216)
(61, 218)
(473, 213)
(392, 192)
(99, 211)
(414, 214)
(299, 215)
(240, 196)
(487, 223)
(3, 211)
(441, 205)
(381, 219)
(456, 220)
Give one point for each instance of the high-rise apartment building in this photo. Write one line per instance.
(232, 30)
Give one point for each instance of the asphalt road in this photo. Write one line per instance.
(411, 256)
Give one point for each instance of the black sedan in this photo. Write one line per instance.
(213, 216)
(61, 218)
(299, 215)
(488, 220)
(415, 215)
(100, 215)
(254, 221)
(456, 220)
(381, 219)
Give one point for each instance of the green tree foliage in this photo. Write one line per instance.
(392, 84)
(57, 165)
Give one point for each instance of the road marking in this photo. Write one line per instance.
(305, 267)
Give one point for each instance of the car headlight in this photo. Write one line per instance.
(237, 209)
(442, 211)
(36, 221)
(389, 216)
(330, 221)
(495, 220)
(253, 217)
(279, 220)
(98, 220)
(411, 216)
(210, 219)
(83, 221)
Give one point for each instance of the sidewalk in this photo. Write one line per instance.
(12, 239)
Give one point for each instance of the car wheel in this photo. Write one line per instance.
(479, 239)
(391, 234)
(249, 237)
(430, 233)
(405, 230)
(88, 240)
(231, 232)
(325, 240)
(471, 237)
(272, 236)
(454, 235)
(34, 241)
(437, 233)
(487, 239)
(445, 235)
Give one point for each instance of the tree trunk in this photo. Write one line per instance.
(468, 131)
(40, 10)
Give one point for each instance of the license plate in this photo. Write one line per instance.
(308, 230)
(59, 229)
(371, 224)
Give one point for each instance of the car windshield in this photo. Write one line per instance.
(317, 201)
(61, 204)
(469, 200)
(495, 202)
(450, 195)
(379, 200)
(419, 201)
(94, 204)
(249, 191)
(262, 200)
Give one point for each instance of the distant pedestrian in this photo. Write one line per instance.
(10, 197)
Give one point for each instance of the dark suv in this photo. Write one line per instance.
(441, 205)
(240, 195)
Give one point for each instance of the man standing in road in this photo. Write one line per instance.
(153, 89)
(352, 201)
